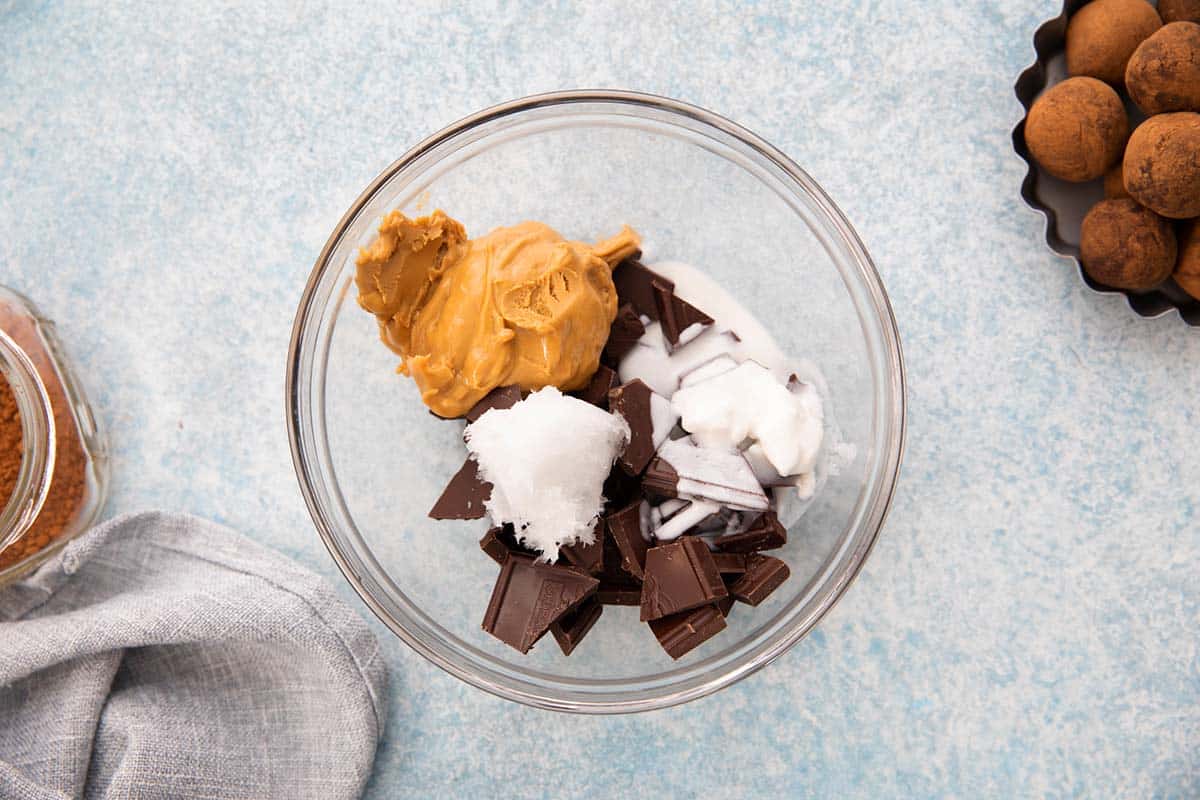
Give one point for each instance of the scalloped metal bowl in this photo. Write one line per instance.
(1065, 204)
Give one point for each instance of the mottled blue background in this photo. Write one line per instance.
(1027, 624)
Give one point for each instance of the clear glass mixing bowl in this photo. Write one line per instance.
(371, 460)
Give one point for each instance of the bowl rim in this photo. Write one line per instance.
(875, 513)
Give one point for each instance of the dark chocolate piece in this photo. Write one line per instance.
(764, 574)
(730, 563)
(596, 392)
(632, 402)
(617, 587)
(623, 334)
(720, 477)
(633, 282)
(725, 605)
(619, 594)
(529, 596)
(570, 629)
(680, 633)
(660, 478)
(587, 557)
(464, 495)
(625, 528)
(679, 576)
(675, 315)
(501, 397)
(765, 533)
(620, 488)
(500, 541)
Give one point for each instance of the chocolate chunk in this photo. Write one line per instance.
(620, 488)
(632, 402)
(763, 575)
(501, 397)
(675, 315)
(619, 594)
(679, 576)
(464, 495)
(623, 334)
(765, 533)
(660, 478)
(730, 563)
(587, 557)
(680, 469)
(633, 282)
(500, 542)
(680, 633)
(570, 629)
(617, 587)
(725, 605)
(625, 528)
(529, 596)
(596, 392)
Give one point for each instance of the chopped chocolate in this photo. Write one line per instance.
(680, 469)
(625, 528)
(501, 397)
(500, 542)
(679, 576)
(596, 392)
(623, 334)
(730, 563)
(587, 557)
(570, 629)
(529, 596)
(633, 282)
(464, 495)
(680, 633)
(765, 533)
(764, 574)
(632, 402)
(620, 488)
(619, 594)
(675, 315)
(725, 605)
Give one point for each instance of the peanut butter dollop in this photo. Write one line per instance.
(520, 305)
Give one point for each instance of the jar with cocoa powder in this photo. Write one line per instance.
(53, 461)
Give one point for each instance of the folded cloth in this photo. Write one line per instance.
(162, 656)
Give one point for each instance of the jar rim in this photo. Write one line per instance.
(24, 505)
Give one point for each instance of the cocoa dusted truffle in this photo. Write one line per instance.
(1179, 10)
(1076, 129)
(1126, 246)
(1187, 268)
(1162, 164)
(1103, 34)
(1114, 183)
(1164, 72)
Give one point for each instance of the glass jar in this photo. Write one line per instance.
(57, 488)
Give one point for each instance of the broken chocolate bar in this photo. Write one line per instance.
(650, 418)
(633, 282)
(679, 576)
(623, 334)
(620, 488)
(764, 574)
(674, 314)
(587, 557)
(596, 392)
(529, 596)
(625, 528)
(765, 533)
(501, 397)
(725, 605)
(730, 563)
(570, 629)
(464, 495)
(619, 594)
(500, 542)
(680, 469)
(680, 633)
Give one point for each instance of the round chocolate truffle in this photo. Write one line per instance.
(1187, 268)
(1114, 183)
(1076, 129)
(1162, 164)
(1179, 10)
(1126, 246)
(1102, 36)
(1164, 72)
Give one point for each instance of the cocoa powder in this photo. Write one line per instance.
(69, 485)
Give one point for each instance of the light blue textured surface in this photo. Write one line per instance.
(1027, 625)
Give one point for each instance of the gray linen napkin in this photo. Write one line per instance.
(162, 656)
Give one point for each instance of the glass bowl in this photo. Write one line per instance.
(371, 460)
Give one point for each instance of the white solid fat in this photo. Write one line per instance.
(685, 520)
(660, 369)
(547, 458)
(749, 402)
(711, 474)
(709, 369)
(662, 419)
